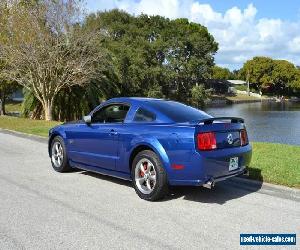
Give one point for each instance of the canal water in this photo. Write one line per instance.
(266, 121)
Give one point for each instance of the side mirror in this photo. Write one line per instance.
(87, 119)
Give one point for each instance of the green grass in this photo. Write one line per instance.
(241, 87)
(271, 162)
(241, 97)
(276, 163)
(237, 98)
(13, 107)
(34, 127)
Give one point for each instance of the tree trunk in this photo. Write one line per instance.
(48, 110)
(1, 107)
(2, 104)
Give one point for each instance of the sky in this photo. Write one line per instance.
(243, 29)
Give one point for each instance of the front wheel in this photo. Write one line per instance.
(149, 177)
(59, 158)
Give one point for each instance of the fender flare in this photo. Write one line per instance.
(155, 146)
(52, 134)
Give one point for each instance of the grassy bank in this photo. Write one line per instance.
(229, 99)
(242, 98)
(276, 163)
(34, 127)
(271, 162)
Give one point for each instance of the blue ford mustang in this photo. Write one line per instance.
(153, 142)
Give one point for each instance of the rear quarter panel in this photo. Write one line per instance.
(173, 144)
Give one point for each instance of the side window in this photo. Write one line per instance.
(143, 115)
(111, 114)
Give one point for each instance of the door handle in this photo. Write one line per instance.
(113, 132)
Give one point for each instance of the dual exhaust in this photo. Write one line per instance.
(211, 182)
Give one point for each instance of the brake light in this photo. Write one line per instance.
(206, 141)
(243, 137)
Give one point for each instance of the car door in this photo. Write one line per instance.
(96, 144)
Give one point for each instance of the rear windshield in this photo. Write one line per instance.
(179, 112)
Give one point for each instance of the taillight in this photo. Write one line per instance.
(244, 137)
(206, 141)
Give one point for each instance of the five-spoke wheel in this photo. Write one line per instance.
(149, 176)
(145, 176)
(58, 154)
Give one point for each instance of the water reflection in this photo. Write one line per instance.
(267, 121)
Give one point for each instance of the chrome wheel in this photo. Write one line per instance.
(145, 176)
(57, 154)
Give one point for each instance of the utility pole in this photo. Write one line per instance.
(248, 83)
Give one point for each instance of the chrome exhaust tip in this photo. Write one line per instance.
(209, 184)
(246, 172)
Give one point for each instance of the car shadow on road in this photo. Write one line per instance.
(107, 178)
(222, 192)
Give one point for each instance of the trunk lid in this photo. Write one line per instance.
(227, 132)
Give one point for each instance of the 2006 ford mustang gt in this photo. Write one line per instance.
(153, 142)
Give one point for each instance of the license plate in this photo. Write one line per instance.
(233, 163)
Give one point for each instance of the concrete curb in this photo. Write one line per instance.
(24, 135)
(247, 181)
(266, 188)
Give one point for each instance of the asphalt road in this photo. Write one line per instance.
(42, 209)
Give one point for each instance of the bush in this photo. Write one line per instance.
(198, 96)
(155, 92)
(241, 87)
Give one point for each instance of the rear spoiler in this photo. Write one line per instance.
(231, 119)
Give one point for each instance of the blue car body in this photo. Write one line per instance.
(109, 148)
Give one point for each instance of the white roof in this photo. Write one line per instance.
(237, 82)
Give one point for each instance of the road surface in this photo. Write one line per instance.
(42, 209)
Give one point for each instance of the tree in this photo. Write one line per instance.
(155, 56)
(295, 85)
(220, 73)
(258, 71)
(235, 74)
(284, 76)
(47, 51)
(6, 87)
(279, 76)
(199, 95)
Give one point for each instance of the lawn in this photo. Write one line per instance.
(241, 97)
(276, 163)
(35, 127)
(271, 162)
(238, 98)
(13, 106)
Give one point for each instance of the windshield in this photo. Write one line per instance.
(179, 112)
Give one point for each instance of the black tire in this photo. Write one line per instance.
(64, 166)
(160, 189)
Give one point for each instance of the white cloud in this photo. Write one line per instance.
(294, 45)
(239, 33)
(167, 8)
(269, 29)
(204, 13)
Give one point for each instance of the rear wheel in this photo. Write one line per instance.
(59, 158)
(149, 176)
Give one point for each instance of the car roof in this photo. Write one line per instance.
(134, 99)
(142, 102)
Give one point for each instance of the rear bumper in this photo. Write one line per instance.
(211, 167)
(212, 179)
